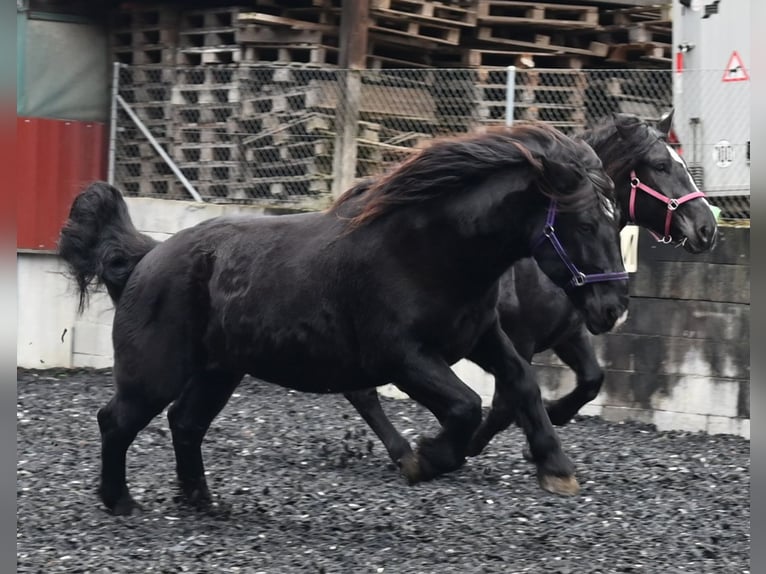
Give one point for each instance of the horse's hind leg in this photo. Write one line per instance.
(120, 420)
(431, 382)
(190, 417)
(367, 404)
(577, 352)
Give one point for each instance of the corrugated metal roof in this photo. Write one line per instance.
(57, 158)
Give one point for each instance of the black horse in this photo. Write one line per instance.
(394, 283)
(655, 190)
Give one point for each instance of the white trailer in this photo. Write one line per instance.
(711, 83)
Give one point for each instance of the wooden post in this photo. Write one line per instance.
(352, 59)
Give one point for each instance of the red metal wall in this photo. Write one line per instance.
(57, 158)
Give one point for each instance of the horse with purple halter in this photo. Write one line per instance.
(397, 282)
(537, 314)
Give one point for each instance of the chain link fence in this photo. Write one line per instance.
(272, 134)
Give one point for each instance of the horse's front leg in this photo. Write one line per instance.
(501, 413)
(430, 381)
(496, 354)
(577, 352)
(367, 404)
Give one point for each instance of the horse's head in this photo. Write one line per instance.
(578, 247)
(657, 191)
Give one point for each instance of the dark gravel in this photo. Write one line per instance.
(310, 489)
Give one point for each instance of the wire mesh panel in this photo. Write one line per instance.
(269, 133)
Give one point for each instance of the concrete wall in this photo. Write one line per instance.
(681, 361)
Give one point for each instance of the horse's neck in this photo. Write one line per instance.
(622, 194)
(479, 237)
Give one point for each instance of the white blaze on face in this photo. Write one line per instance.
(674, 154)
(621, 319)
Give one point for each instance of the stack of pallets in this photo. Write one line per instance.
(244, 98)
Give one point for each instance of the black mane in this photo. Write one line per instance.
(451, 165)
(616, 152)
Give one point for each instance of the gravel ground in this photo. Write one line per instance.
(310, 489)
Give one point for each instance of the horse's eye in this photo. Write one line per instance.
(587, 227)
(661, 167)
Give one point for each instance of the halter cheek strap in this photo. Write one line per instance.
(578, 277)
(672, 204)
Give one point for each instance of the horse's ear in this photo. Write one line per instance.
(560, 175)
(627, 125)
(665, 123)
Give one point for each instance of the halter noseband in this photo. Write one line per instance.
(578, 277)
(672, 204)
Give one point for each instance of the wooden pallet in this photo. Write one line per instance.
(206, 152)
(168, 187)
(144, 55)
(276, 101)
(146, 93)
(214, 55)
(285, 189)
(537, 14)
(310, 54)
(425, 10)
(661, 53)
(487, 58)
(217, 171)
(210, 76)
(208, 38)
(205, 114)
(150, 113)
(140, 75)
(410, 29)
(139, 149)
(190, 94)
(283, 22)
(657, 13)
(136, 38)
(194, 134)
(537, 42)
(210, 18)
(269, 35)
(377, 101)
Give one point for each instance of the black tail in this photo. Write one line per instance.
(99, 242)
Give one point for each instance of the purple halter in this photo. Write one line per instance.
(578, 277)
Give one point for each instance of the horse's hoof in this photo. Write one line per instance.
(474, 449)
(125, 507)
(561, 485)
(409, 466)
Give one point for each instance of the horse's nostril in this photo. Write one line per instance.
(705, 234)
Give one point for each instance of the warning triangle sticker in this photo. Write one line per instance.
(735, 69)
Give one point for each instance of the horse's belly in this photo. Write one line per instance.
(310, 376)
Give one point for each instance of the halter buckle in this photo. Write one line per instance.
(548, 230)
(666, 240)
(635, 182)
(579, 279)
(672, 204)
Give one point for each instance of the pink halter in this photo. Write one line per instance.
(672, 203)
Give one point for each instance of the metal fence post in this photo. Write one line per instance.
(113, 122)
(347, 122)
(510, 95)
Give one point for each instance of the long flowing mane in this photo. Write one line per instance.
(451, 165)
(615, 152)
